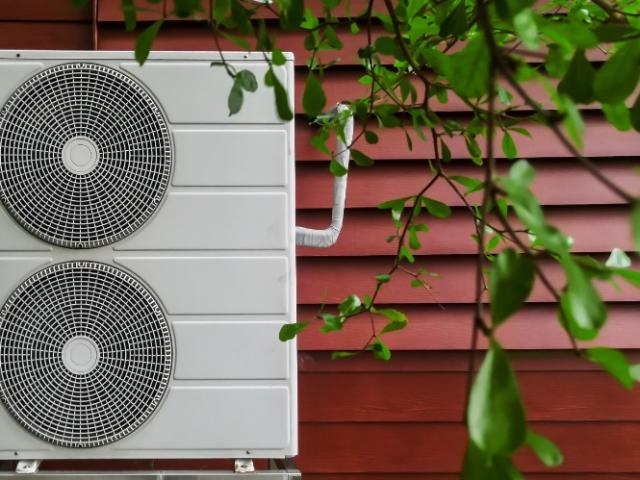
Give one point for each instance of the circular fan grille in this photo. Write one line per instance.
(85, 155)
(85, 354)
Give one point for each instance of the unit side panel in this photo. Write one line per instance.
(200, 220)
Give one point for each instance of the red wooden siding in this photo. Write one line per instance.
(366, 420)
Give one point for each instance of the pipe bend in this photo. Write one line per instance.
(309, 237)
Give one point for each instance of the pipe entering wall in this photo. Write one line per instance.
(309, 237)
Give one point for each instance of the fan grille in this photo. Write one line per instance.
(85, 354)
(85, 155)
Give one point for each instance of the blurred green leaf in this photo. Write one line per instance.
(469, 69)
(313, 99)
(578, 81)
(360, 158)
(510, 282)
(618, 77)
(612, 361)
(247, 80)
(397, 319)
(129, 14)
(235, 99)
(547, 451)
(618, 115)
(496, 418)
(581, 304)
(145, 41)
(337, 169)
(508, 146)
(456, 23)
(289, 330)
(380, 350)
(436, 208)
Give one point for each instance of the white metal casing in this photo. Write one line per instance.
(218, 254)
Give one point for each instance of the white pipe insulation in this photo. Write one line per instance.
(309, 237)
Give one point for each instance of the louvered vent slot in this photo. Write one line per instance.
(85, 354)
(85, 155)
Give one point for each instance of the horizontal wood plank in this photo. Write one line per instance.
(440, 397)
(45, 35)
(594, 229)
(433, 328)
(551, 361)
(438, 448)
(195, 35)
(330, 279)
(557, 182)
(43, 10)
(110, 10)
(600, 140)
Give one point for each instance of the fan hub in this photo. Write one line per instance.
(80, 355)
(80, 155)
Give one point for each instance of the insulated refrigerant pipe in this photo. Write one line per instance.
(309, 237)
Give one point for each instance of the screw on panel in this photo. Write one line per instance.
(244, 465)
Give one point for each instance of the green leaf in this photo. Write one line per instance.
(247, 80)
(522, 174)
(291, 13)
(290, 330)
(129, 14)
(578, 81)
(618, 259)
(383, 278)
(468, 182)
(474, 149)
(339, 355)
(634, 114)
(371, 137)
(510, 283)
(350, 305)
(525, 26)
(241, 17)
(436, 208)
(496, 418)
(613, 362)
(618, 77)
(631, 276)
(380, 350)
(313, 99)
(282, 99)
(581, 304)
(277, 57)
(547, 451)
(235, 99)
(509, 146)
(469, 69)
(480, 466)
(80, 3)
(395, 204)
(618, 115)
(612, 32)
(331, 322)
(456, 23)
(635, 225)
(145, 41)
(337, 169)
(397, 319)
(406, 253)
(492, 244)
(360, 158)
(186, 8)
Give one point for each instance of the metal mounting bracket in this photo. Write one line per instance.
(243, 465)
(28, 466)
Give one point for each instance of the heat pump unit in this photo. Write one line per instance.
(147, 259)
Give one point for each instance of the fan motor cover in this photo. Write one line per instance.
(85, 354)
(86, 155)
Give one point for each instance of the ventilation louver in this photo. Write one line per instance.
(86, 155)
(85, 354)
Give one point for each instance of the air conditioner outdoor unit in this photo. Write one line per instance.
(147, 259)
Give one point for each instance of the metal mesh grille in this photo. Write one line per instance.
(85, 354)
(85, 155)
